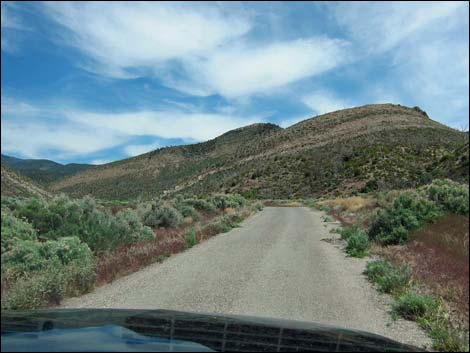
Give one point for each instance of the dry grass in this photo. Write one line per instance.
(283, 203)
(350, 204)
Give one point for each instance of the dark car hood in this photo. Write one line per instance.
(161, 330)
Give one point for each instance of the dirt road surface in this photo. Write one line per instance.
(277, 265)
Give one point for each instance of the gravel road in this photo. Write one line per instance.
(275, 265)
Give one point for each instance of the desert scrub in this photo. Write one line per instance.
(162, 216)
(358, 245)
(223, 201)
(449, 195)
(388, 278)
(348, 232)
(37, 290)
(414, 306)
(131, 227)
(190, 211)
(257, 206)
(190, 238)
(62, 217)
(41, 273)
(433, 317)
(200, 205)
(409, 211)
(14, 229)
(27, 256)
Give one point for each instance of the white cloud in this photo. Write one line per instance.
(124, 35)
(322, 102)
(194, 126)
(135, 150)
(241, 70)
(381, 26)
(38, 131)
(33, 139)
(199, 49)
(100, 161)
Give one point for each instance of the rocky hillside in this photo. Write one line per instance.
(370, 147)
(14, 184)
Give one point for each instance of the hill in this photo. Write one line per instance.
(379, 146)
(43, 171)
(14, 184)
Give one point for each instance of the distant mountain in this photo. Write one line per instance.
(43, 171)
(378, 146)
(14, 184)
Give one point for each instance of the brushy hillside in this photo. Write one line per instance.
(43, 171)
(14, 184)
(373, 147)
(455, 165)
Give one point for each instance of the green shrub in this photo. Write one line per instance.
(348, 232)
(22, 258)
(14, 229)
(324, 208)
(223, 201)
(257, 206)
(131, 229)
(251, 194)
(376, 269)
(358, 245)
(413, 306)
(52, 219)
(446, 338)
(200, 205)
(79, 277)
(28, 256)
(388, 278)
(191, 238)
(66, 250)
(450, 195)
(162, 216)
(190, 211)
(62, 217)
(43, 288)
(409, 211)
(232, 220)
(220, 225)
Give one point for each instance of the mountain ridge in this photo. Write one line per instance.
(384, 144)
(43, 171)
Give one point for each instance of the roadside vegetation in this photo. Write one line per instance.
(421, 239)
(59, 247)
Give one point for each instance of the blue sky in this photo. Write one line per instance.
(96, 82)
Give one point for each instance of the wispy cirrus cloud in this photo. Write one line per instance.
(322, 101)
(242, 70)
(379, 27)
(10, 24)
(135, 150)
(198, 49)
(67, 132)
